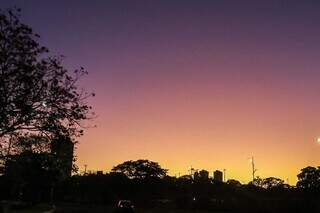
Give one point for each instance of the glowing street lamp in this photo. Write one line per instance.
(318, 140)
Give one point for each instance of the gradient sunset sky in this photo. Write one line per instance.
(201, 83)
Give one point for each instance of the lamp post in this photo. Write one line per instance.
(85, 169)
(253, 168)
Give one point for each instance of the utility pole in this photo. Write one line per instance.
(253, 168)
(191, 171)
(224, 175)
(85, 169)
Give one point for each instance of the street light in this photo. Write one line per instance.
(318, 140)
(251, 159)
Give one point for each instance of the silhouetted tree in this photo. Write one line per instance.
(140, 169)
(233, 183)
(37, 94)
(272, 183)
(185, 179)
(31, 175)
(31, 143)
(309, 179)
(268, 183)
(33, 163)
(257, 182)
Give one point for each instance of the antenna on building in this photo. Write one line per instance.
(224, 175)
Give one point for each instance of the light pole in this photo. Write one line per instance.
(253, 168)
(85, 169)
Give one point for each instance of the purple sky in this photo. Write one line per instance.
(179, 78)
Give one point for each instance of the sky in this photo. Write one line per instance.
(186, 83)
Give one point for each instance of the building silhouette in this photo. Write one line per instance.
(201, 176)
(62, 148)
(218, 176)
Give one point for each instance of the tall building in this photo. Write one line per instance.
(63, 149)
(201, 176)
(218, 176)
(100, 172)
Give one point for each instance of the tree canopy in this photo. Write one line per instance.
(309, 179)
(272, 183)
(233, 183)
(268, 183)
(38, 96)
(140, 169)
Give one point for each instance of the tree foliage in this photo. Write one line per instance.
(272, 183)
(233, 183)
(309, 179)
(140, 169)
(38, 96)
(268, 183)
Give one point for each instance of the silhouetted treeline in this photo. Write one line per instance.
(156, 190)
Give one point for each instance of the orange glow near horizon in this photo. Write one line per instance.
(207, 128)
